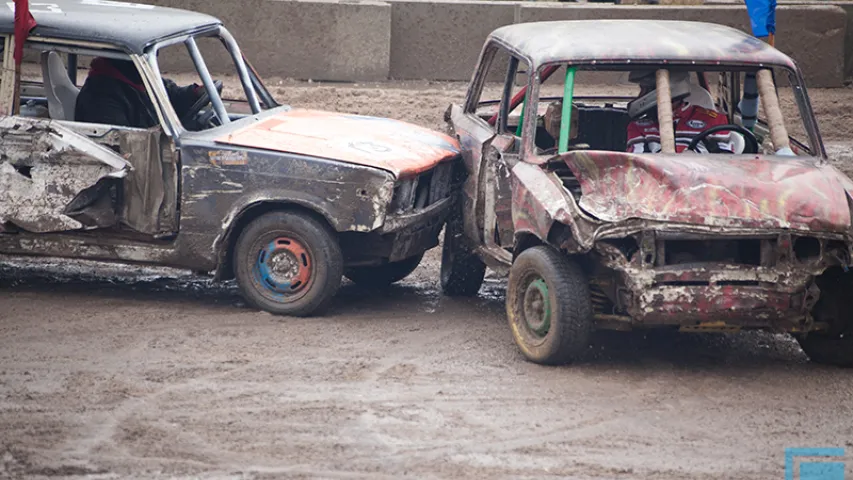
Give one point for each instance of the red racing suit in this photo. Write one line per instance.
(690, 120)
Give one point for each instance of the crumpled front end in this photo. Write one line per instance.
(413, 219)
(696, 240)
(696, 281)
(735, 191)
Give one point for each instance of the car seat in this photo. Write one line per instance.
(60, 91)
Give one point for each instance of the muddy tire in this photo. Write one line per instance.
(834, 346)
(548, 306)
(462, 271)
(383, 275)
(288, 263)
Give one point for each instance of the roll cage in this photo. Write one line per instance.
(529, 95)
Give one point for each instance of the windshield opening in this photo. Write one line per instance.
(228, 87)
(615, 108)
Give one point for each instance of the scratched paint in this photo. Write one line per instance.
(750, 192)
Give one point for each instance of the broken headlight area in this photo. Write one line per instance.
(666, 278)
(422, 191)
(661, 249)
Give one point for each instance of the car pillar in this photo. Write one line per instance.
(667, 131)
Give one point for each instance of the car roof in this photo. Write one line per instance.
(130, 26)
(649, 41)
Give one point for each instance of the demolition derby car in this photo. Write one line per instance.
(286, 200)
(582, 199)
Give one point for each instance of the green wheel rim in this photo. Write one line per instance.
(537, 308)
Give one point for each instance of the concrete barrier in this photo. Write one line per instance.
(352, 40)
(305, 39)
(848, 42)
(441, 40)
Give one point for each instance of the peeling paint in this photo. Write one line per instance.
(44, 167)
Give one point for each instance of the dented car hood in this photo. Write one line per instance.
(744, 191)
(398, 147)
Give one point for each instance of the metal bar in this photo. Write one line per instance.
(7, 78)
(201, 67)
(266, 96)
(566, 117)
(154, 85)
(547, 72)
(664, 94)
(521, 119)
(72, 67)
(807, 114)
(775, 119)
(237, 56)
(503, 109)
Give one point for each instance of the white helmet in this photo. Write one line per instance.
(679, 85)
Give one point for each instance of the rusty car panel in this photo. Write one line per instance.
(718, 237)
(606, 41)
(45, 167)
(391, 145)
(286, 201)
(734, 191)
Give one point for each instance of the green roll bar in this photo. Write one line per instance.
(521, 120)
(566, 117)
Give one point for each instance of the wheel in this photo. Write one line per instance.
(549, 306)
(288, 263)
(835, 345)
(462, 271)
(384, 275)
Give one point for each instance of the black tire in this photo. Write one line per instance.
(295, 249)
(383, 275)
(462, 271)
(543, 281)
(834, 346)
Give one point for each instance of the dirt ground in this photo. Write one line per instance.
(117, 372)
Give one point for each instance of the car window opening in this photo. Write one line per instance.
(81, 85)
(582, 113)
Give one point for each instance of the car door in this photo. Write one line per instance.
(490, 148)
(57, 175)
(51, 178)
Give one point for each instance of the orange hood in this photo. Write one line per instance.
(398, 147)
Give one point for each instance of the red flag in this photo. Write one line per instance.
(24, 22)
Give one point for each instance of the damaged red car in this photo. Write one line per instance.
(643, 174)
(286, 200)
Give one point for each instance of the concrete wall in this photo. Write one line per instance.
(320, 40)
(848, 42)
(441, 40)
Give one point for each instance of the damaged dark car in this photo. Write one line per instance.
(288, 201)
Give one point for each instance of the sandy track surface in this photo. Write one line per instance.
(116, 372)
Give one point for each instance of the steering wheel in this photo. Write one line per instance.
(198, 106)
(749, 137)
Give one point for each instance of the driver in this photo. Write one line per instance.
(690, 120)
(113, 94)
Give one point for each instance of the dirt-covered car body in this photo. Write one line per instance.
(696, 240)
(178, 194)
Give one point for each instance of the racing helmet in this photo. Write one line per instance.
(679, 85)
